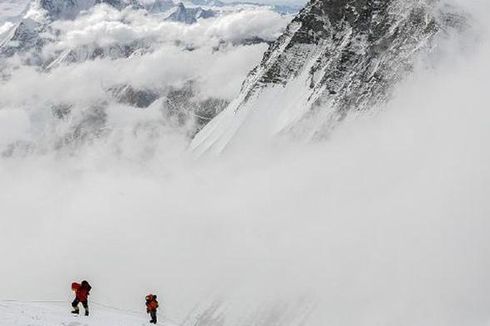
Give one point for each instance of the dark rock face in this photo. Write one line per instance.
(140, 98)
(160, 6)
(184, 106)
(121, 4)
(65, 9)
(69, 9)
(25, 36)
(182, 15)
(365, 45)
(341, 56)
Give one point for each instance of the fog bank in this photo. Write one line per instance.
(384, 223)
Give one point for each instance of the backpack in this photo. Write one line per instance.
(86, 286)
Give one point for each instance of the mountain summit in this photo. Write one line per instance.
(336, 57)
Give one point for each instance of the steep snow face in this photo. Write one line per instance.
(22, 37)
(336, 57)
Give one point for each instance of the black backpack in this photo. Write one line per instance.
(86, 285)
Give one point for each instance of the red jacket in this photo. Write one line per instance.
(151, 303)
(82, 291)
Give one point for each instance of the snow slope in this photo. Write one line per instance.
(336, 59)
(9, 9)
(14, 313)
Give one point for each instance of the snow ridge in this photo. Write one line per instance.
(336, 58)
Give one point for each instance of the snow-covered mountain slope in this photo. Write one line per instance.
(25, 34)
(14, 313)
(22, 37)
(159, 6)
(337, 57)
(69, 9)
(64, 9)
(212, 313)
(11, 9)
(208, 3)
(33, 30)
(189, 15)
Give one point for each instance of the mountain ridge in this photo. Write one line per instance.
(335, 58)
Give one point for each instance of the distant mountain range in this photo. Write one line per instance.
(32, 31)
(34, 38)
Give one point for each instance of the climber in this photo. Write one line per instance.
(82, 292)
(151, 307)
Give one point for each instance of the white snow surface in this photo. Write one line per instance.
(16, 313)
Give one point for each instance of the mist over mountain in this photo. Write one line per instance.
(57, 38)
(336, 58)
(350, 185)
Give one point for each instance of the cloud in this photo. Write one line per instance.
(104, 26)
(84, 84)
(167, 64)
(385, 223)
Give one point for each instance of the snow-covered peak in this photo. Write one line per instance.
(32, 30)
(336, 58)
(186, 15)
(159, 6)
(181, 14)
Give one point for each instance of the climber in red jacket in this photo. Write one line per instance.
(151, 307)
(82, 292)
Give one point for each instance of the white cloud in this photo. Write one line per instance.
(386, 223)
(216, 69)
(104, 25)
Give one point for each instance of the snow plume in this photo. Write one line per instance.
(385, 223)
